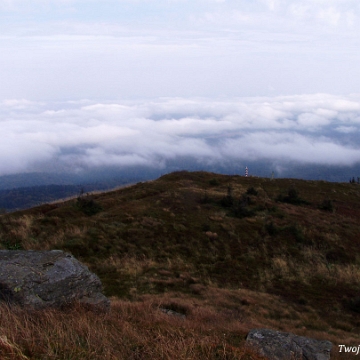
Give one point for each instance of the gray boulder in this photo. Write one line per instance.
(43, 279)
(276, 345)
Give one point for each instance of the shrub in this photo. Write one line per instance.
(88, 206)
(205, 227)
(291, 198)
(228, 200)
(214, 182)
(241, 210)
(354, 305)
(251, 191)
(296, 233)
(271, 228)
(205, 199)
(327, 205)
(13, 245)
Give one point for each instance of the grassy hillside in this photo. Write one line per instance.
(229, 252)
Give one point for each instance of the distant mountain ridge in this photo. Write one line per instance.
(23, 180)
(26, 197)
(25, 190)
(107, 177)
(106, 174)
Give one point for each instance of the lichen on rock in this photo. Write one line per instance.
(276, 345)
(44, 279)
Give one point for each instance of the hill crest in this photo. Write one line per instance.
(207, 236)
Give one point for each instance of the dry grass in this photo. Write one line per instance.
(130, 331)
(278, 265)
(315, 267)
(215, 327)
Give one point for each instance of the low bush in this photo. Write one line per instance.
(88, 206)
(354, 305)
(214, 182)
(251, 191)
(327, 205)
(292, 198)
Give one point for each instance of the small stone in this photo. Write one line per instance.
(172, 313)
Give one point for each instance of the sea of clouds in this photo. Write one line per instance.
(52, 136)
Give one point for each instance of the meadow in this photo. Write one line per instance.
(230, 253)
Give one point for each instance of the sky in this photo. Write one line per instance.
(119, 82)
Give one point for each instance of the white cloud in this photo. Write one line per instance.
(312, 121)
(290, 146)
(119, 49)
(151, 132)
(347, 129)
(205, 70)
(330, 15)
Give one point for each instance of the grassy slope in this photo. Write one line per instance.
(178, 241)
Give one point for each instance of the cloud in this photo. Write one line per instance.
(76, 134)
(293, 147)
(145, 48)
(216, 61)
(347, 129)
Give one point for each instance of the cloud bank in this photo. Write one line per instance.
(306, 129)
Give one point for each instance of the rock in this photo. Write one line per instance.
(216, 218)
(276, 345)
(211, 235)
(150, 222)
(44, 279)
(172, 313)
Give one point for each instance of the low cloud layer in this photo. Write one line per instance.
(307, 129)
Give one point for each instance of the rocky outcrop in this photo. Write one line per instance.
(276, 345)
(43, 279)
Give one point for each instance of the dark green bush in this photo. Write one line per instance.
(251, 191)
(12, 245)
(327, 205)
(296, 233)
(354, 305)
(88, 206)
(214, 182)
(205, 227)
(205, 199)
(241, 210)
(291, 198)
(271, 228)
(227, 201)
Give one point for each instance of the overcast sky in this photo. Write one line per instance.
(141, 81)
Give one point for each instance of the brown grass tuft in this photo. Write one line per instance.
(130, 331)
